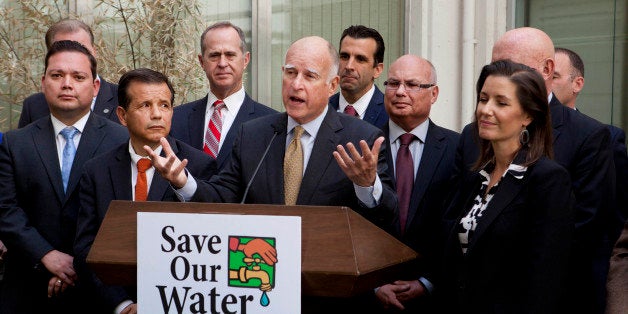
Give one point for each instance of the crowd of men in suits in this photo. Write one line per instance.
(344, 148)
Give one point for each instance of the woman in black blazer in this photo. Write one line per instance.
(509, 227)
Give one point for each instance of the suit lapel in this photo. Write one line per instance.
(103, 100)
(509, 188)
(45, 143)
(196, 123)
(91, 138)
(273, 164)
(120, 172)
(321, 156)
(557, 116)
(375, 107)
(432, 154)
(246, 109)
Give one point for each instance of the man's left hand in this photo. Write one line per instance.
(361, 169)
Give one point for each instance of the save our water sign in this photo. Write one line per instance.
(216, 263)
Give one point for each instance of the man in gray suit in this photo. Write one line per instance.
(40, 167)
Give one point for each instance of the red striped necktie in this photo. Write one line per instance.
(214, 128)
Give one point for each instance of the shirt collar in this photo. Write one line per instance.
(135, 157)
(360, 105)
(79, 125)
(420, 131)
(311, 127)
(515, 169)
(233, 102)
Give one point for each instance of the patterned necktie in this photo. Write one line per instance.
(141, 185)
(351, 111)
(405, 177)
(293, 167)
(212, 136)
(69, 151)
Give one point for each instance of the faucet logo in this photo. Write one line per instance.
(252, 264)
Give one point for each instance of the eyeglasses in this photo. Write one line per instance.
(409, 86)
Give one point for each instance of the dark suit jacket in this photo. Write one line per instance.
(36, 216)
(35, 105)
(188, 124)
(516, 257)
(323, 183)
(107, 178)
(431, 186)
(617, 284)
(620, 158)
(581, 145)
(375, 112)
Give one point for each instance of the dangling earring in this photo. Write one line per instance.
(524, 136)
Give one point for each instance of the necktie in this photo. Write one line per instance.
(69, 151)
(212, 136)
(141, 186)
(293, 167)
(405, 177)
(351, 111)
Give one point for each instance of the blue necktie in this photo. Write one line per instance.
(68, 154)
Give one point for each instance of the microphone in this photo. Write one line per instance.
(248, 186)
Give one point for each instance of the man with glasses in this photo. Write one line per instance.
(421, 159)
(361, 62)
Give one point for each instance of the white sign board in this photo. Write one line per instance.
(214, 263)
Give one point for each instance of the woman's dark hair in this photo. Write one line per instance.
(532, 96)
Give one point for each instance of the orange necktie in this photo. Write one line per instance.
(141, 186)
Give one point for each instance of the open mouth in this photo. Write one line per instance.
(296, 99)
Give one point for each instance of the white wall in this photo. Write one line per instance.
(435, 30)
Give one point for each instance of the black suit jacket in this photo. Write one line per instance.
(36, 107)
(188, 124)
(36, 216)
(620, 158)
(431, 186)
(515, 262)
(375, 112)
(108, 177)
(323, 182)
(581, 145)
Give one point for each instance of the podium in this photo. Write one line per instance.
(343, 254)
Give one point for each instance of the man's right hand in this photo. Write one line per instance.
(60, 265)
(387, 295)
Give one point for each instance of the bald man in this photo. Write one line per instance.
(411, 91)
(581, 145)
(357, 178)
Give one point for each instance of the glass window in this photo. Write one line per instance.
(597, 31)
(292, 20)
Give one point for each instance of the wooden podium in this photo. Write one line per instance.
(343, 254)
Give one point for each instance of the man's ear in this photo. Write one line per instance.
(121, 115)
(578, 84)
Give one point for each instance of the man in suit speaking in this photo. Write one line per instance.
(299, 166)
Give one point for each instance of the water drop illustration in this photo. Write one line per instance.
(264, 300)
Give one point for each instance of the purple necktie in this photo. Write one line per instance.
(405, 177)
(351, 111)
